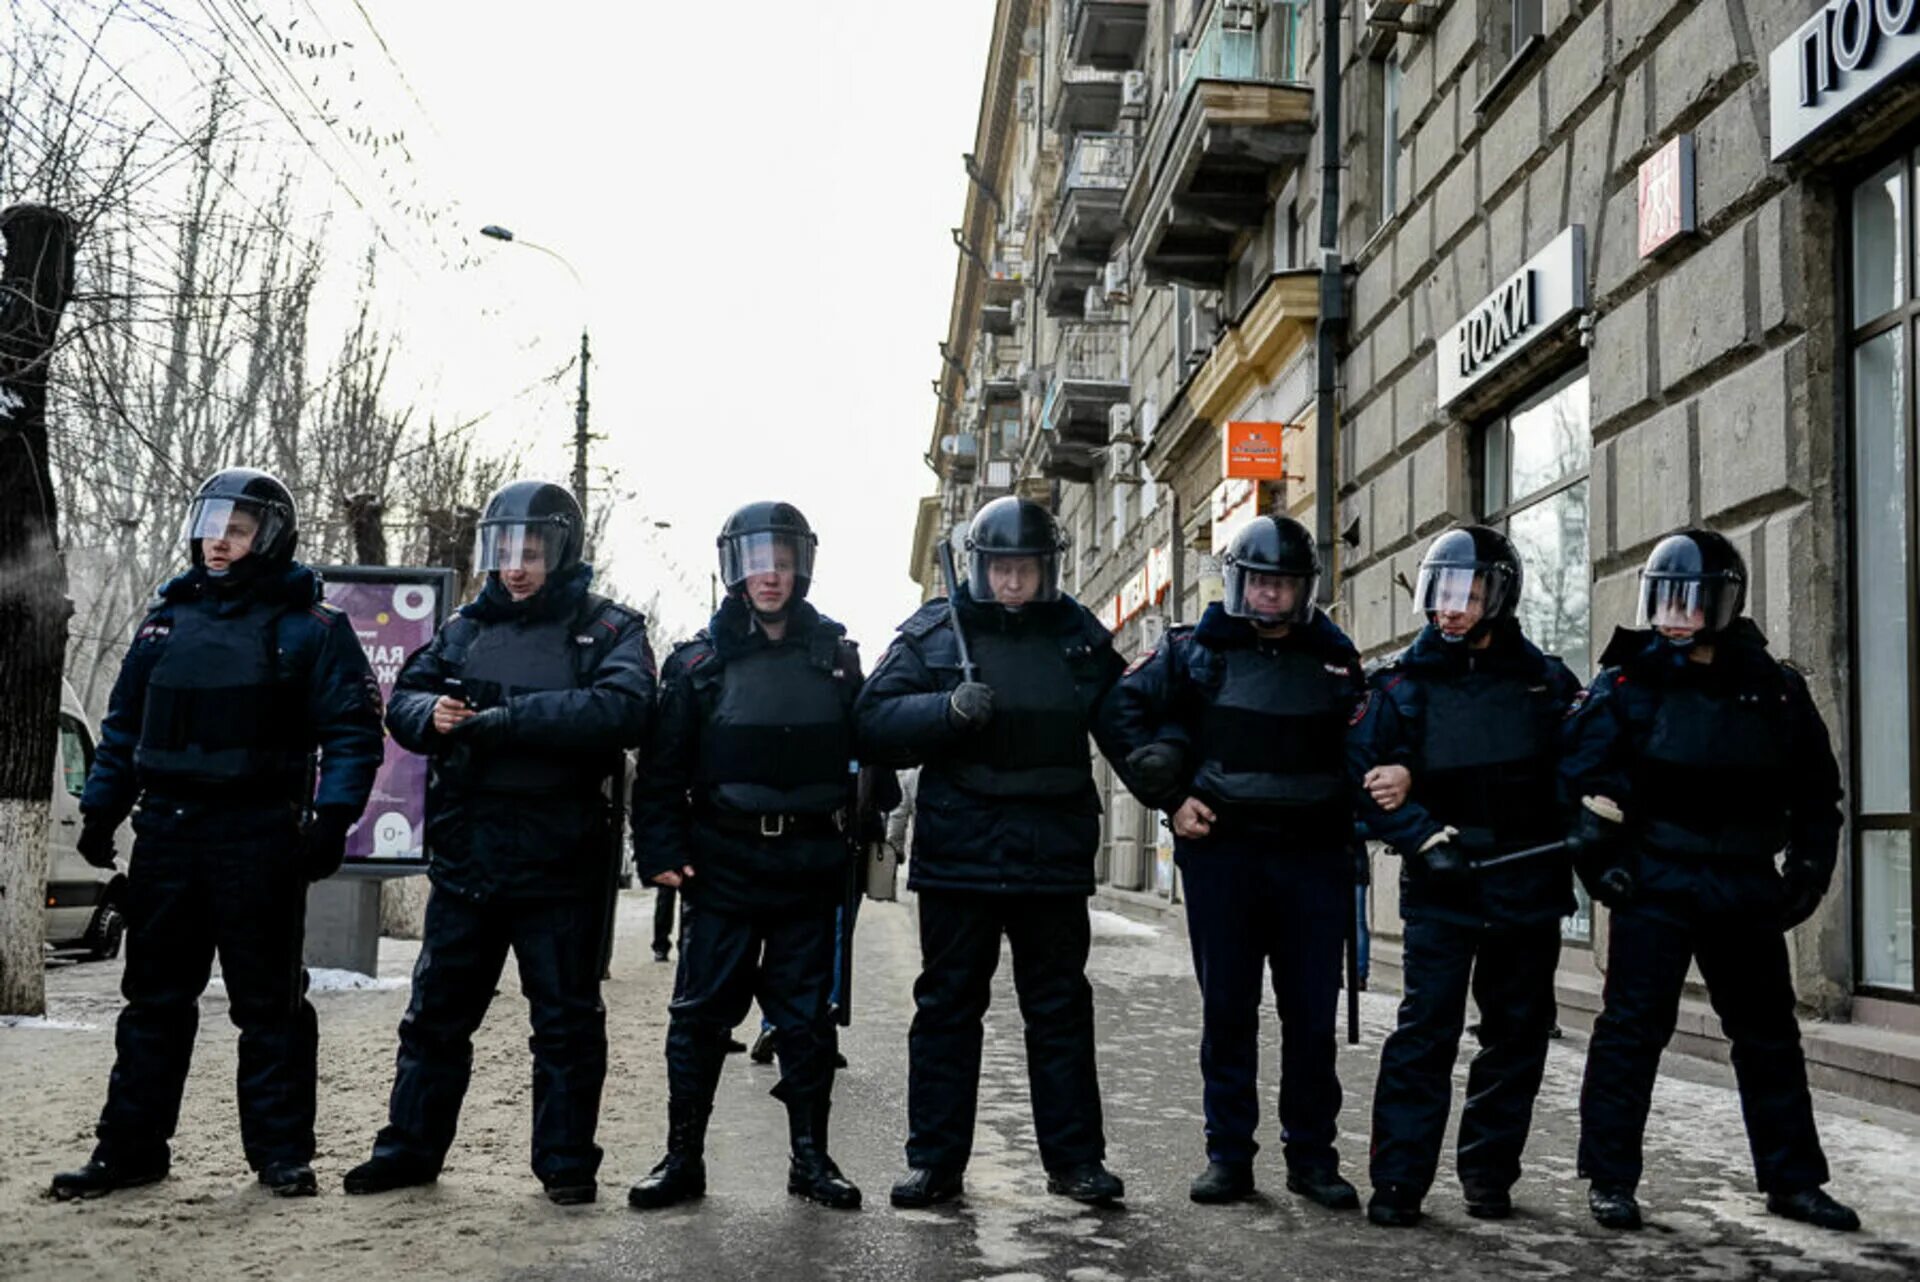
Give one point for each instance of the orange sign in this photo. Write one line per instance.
(1253, 451)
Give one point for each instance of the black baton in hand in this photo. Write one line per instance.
(953, 610)
(1514, 857)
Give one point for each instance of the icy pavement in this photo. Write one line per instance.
(486, 1218)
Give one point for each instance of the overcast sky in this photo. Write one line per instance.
(759, 196)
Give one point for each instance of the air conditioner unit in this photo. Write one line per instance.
(1239, 15)
(1019, 312)
(1097, 306)
(1115, 283)
(1025, 97)
(1133, 95)
(1120, 425)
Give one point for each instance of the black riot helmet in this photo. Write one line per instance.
(751, 540)
(528, 522)
(1274, 547)
(1012, 528)
(1461, 561)
(1696, 579)
(243, 492)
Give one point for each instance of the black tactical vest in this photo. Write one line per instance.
(521, 657)
(777, 736)
(1036, 744)
(219, 709)
(1274, 732)
(1712, 771)
(1486, 755)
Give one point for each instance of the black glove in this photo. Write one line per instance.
(323, 842)
(1593, 847)
(485, 729)
(1802, 887)
(970, 706)
(96, 841)
(1444, 860)
(1157, 769)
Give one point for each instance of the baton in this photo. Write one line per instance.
(1531, 852)
(948, 573)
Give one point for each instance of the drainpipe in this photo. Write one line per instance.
(1333, 295)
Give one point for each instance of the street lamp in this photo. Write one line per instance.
(493, 231)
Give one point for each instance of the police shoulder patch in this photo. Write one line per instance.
(1579, 702)
(1360, 709)
(1145, 657)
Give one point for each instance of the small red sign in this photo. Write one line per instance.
(1253, 451)
(1666, 195)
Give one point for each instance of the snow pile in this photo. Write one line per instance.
(1118, 926)
(41, 1021)
(324, 979)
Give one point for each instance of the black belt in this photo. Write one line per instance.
(772, 825)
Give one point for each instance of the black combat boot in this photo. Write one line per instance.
(290, 1179)
(1324, 1186)
(925, 1186)
(681, 1175)
(1222, 1182)
(100, 1177)
(1814, 1206)
(1394, 1206)
(385, 1173)
(1485, 1202)
(1613, 1206)
(762, 1052)
(811, 1173)
(1089, 1182)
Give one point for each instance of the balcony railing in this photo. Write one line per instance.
(1234, 46)
(1090, 352)
(1100, 162)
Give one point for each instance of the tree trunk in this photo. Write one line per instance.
(35, 286)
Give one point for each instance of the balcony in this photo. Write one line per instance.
(1065, 277)
(1093, 187)
(996, 319)
(1107, 34)
(959, 456)
(1000, 374)
(1006, 281)
(1086, 99)
(1237, 125)
(1089, 378)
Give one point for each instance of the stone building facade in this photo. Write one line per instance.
(1613, 267)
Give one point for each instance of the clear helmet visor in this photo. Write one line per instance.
(517, 545)
(1459, 589)
(240, 525)
(1698, 604)
(744, 555)
(1013, 579)
(1268, 598)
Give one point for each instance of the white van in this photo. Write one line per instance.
(83, 902)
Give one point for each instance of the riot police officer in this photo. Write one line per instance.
(238, 672)
(1697, 758)
(1473, 710)
(744, 809)
(1006, 827)
(524, 704)
(1236, 728)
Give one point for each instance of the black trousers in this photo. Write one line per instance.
(663, 897)
(1249, 913)
(1750, 984)
(557, 945)
(1509, 970)
(960, 933)
(203, 883)
(728, 960)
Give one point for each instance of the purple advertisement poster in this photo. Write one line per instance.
(394, 612)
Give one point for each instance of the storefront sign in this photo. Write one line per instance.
(394, 611)
(1666, 194)
(1839, 56)
(1253, 451)
(1528, 305)
(1159, 572)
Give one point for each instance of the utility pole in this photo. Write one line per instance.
(580, 437)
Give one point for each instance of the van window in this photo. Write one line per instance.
(76, 754)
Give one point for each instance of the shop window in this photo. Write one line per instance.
(1884, 314)
(1535, 463)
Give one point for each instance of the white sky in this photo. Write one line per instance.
(758, 195)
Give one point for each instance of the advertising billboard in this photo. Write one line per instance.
(394, 610)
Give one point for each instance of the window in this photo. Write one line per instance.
(1884, 314)
(1389, 153)
(1534, 468)
(76, 755)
